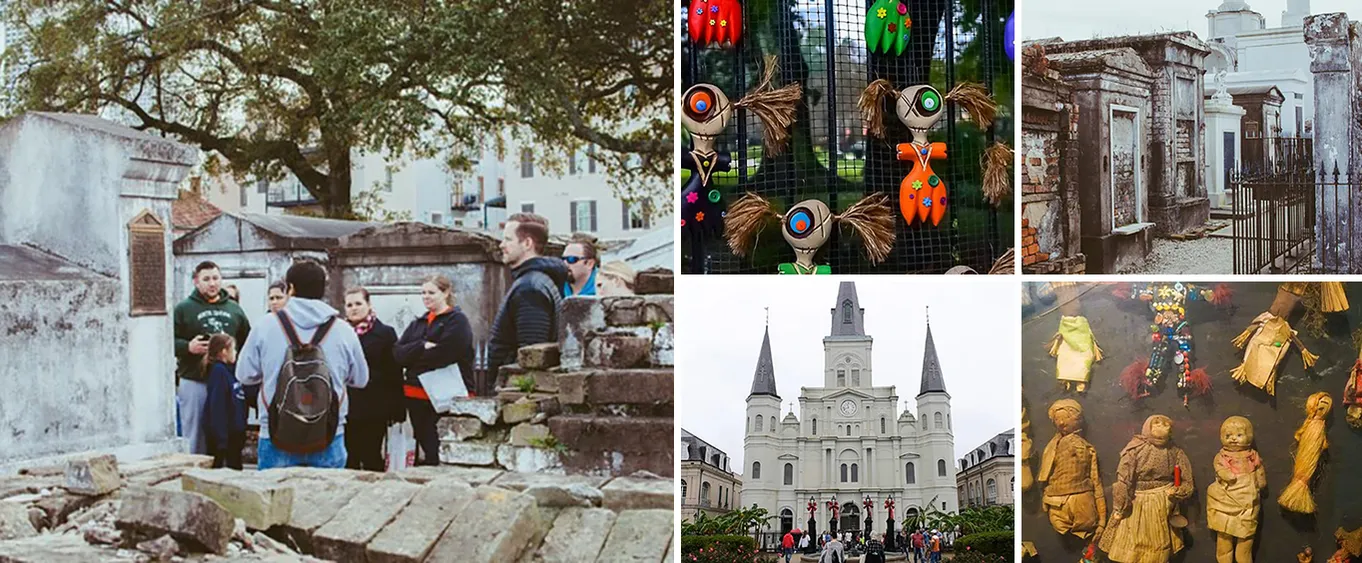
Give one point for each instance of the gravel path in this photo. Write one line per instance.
(1209, 255)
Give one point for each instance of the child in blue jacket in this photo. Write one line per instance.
(224, 413)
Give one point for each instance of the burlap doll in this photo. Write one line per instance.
(1232, 501)
(1073, 499)
(1026, 478)
(1352, 394)
(1267, 341)
(922, 194)
(1310, 445)
(807, 227)
(1076, 349)
(1151, 479)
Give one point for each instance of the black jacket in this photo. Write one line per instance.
(453, 338)
(381, 399)
(529, 315)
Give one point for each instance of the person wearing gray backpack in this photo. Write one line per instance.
(304, 357)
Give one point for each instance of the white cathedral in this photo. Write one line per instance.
(850, 442)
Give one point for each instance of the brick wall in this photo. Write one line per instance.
(1050, 214)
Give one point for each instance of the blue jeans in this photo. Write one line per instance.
(333, 457)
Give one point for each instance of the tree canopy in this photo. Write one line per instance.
(277, 87)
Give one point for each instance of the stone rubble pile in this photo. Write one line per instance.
(176, 509)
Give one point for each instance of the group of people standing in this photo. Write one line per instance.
(920, 547)
(227, 363)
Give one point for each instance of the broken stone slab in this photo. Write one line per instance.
(527, 434)
(618, 350)
(324, 499)
(524, 459)
(475, 476)
(59, 505)
(521, 481)
(196, 521)
(496, 526)
(519, 411)
(160, 549)
(59, 548)
(577, 535)
(344, 538)
(411, 536)
(94, 475)
(638, 535)
(556, 490)
(260, 504)
(538, 356)
(15, 522)
(15, 485)
(654, 281)
(484, 409)
(468, 453)
(632, 493)
(459, 428)
(168, 461)
(664, 346)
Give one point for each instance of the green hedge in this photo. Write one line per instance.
(992, 543)
(976, 557)
(719, 549)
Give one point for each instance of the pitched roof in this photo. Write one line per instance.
(190, 211)
(932, 380)
(764, 380)
(845, 323)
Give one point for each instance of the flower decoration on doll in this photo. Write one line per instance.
(1170, 338)
(715, 22)
(887, 26)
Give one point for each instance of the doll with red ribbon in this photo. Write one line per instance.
(922, 194)
(714, 22)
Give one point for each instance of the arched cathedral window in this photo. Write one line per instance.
(854, 475)
(848, 430)
(882, 426)
(756, 470)
(841, 378)
(815, 426)
(846, 311)
(935, 417)
(757, 427)
(941, 468)
(855, 377)
(911, 472)
(844, 472)
(789, 474)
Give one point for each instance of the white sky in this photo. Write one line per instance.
(720, 320)
(1085, 20)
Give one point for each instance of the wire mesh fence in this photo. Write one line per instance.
(821, 45)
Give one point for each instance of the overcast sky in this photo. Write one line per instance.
(720, 319)
(1085, 20)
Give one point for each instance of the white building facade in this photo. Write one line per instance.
(850, 441)
(1255, 55)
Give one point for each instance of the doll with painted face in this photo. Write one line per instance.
(807, 227)
(705, 114)
(1152, 478)
(922, 194)
(1232, 501)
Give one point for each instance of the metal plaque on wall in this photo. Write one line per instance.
(147, 264)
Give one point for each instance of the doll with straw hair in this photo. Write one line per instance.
(807, 227)
(922, 194)
(1310, 445)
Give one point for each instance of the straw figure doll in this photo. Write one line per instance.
(1352, 394)
(1310, 446)
(808, 226)
(1073, 497)
(1232, 501)
(1026, 478)
(1349, 545)
(1151, 479)
(1076, 349)
(922, 194)
(1266, 343)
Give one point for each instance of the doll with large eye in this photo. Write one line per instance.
(705, 113)
(714, 22)
(922, 194)
(807, 227)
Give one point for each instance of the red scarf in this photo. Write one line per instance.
(365, 325)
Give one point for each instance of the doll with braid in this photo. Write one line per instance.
(807, 227)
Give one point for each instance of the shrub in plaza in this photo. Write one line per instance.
(979, 557)
(718, 549)
(989, 543)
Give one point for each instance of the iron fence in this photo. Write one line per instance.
(1273, 219)
(1286, 152)
(821, 45)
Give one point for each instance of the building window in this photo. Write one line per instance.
(757, 426)
(855, 378)
(991, 489)
(846, 311)
(584, 216)
(637, 215)
(937, 418)
(848, 430)
(526, 163)
(854, 475)
(941, 468)
(704, 493)
(841, 378)
(844, 472)
(388, 180)
(572, 163)
(482, 189)
(437, 219)
(501, 187)
(911, 472)
(716, 462)
(683, 490)
(815, 427)
(243, 191)
(527, 208)
(789, 474)
(756, 470)
(948, 421)
(882, 426)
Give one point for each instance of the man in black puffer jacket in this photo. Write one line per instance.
(529, 315)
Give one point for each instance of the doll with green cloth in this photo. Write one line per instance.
(1075, 349)
(887, 26)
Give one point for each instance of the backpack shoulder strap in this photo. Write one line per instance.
(289, 331)
(322, 331)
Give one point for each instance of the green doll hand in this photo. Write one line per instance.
(887, 26)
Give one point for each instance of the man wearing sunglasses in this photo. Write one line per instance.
(580, 256)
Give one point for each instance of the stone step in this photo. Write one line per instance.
(192, 519)
(577, 535)
(637, 493)
(262, 504)
(605, 433)
(554, 491)
(498, 525)
(324, 499)
(617, 387)
(411, 536)
(638, 535)
(345, 537)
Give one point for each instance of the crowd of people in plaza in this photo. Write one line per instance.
(326, 385)
(918, 546)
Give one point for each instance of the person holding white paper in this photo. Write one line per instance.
(441, 338)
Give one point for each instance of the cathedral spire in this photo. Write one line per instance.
(764, 380)
(932, 380)
(848, 318)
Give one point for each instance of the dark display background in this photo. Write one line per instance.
(1122, 329)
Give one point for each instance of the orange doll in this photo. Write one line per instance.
(922, 194)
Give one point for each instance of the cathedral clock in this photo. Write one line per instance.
(848, 407)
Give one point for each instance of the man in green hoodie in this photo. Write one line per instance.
(207, 311)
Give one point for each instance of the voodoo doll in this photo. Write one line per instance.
(714, 22)
(1171, 337)
(887, 26)
(922, 194)
(808, 225)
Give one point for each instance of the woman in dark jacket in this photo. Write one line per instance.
(379, 403)
(441, 338)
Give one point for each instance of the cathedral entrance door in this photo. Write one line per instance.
(786, 521)
(851, 518)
